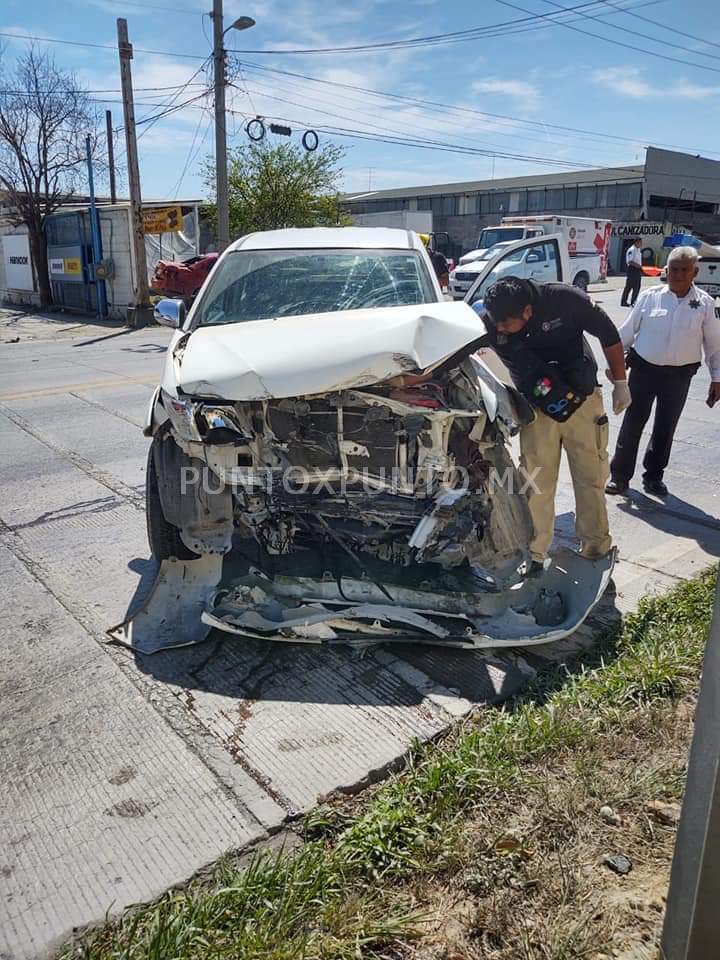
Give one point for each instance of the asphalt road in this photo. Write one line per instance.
(124, 775)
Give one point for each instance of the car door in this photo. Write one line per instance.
(537, 263)
(515, 261)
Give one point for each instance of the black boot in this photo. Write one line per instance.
(655, 487)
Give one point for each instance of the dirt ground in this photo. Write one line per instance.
(531, 878)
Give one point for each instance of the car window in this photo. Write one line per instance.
(488, 238)
(536, 254)
(260, 284)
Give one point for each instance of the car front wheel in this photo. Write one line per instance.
(164, 538)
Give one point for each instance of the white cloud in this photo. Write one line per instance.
(694, 91)
(630, 82)
(625, 80)
(526, 93)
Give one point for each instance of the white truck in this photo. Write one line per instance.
(584, 240)
(708, 277)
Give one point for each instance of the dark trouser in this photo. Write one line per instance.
(632, 285)
(649, 383)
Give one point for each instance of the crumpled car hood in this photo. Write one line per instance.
(321, 353)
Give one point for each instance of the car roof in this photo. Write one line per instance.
(351, 238)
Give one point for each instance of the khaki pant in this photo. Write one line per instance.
(585, 443)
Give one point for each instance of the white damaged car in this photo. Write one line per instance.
(330, 462)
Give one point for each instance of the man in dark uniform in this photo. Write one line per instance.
(440, 264)
(538, 330)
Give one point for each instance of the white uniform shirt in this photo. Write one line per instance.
(670, 331)
(634, 256)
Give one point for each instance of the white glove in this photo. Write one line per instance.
(621, 396)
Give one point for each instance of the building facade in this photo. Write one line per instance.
(669, 190)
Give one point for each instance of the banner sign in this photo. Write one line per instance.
(162, 219)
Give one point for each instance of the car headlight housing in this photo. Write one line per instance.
(182, 416)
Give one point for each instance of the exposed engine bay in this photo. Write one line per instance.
(405, 472)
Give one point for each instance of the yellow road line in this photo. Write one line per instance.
(78, 387)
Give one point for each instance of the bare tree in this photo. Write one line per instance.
(44, 119)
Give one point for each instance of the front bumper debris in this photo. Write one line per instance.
(187, 601)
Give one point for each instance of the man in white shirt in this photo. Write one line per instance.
(633, 271)
(666, 334)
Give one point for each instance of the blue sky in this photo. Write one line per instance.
(547, 74)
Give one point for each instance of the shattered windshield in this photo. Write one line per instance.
(259, 284)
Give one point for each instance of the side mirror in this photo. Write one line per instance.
(170, 313)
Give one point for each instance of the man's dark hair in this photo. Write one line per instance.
(507, 297)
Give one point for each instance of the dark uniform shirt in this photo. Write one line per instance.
(555, 335)
(439, 263)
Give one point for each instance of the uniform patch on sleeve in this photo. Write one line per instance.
(543, 387)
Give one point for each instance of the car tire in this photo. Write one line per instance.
(581, 282)
(164, 538)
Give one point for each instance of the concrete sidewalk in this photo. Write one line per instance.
(123, 775)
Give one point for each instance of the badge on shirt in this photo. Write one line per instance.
(543, 387)
(549, 325)
(694, 304)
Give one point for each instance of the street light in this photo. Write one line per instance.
(221, 174)
(242, 23)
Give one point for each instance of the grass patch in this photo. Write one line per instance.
(494, 829)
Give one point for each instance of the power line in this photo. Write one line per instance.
(458, 109)
(617, 43)
(690, 36)
(426, 143)
(101, 46)
(673, 30)
(422, 144)
(637, 33)
(489, 30)
(442, 115)
(190, 156)
(185, 11)
(441, 146)
(169, 104)
(497, 148)
(32, 93)
(171, 109)
(458, 36)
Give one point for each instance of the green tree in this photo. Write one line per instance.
(271, 187)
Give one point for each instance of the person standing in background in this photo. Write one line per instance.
(440, 264)
(666, 335)
(633, 272)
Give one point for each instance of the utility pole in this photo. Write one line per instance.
(111, 154)
(142, 313)
(221, 173)
(96, 236)
(692, 920)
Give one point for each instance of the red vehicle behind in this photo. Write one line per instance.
(183, 278)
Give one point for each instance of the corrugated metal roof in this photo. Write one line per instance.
(600, 175)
